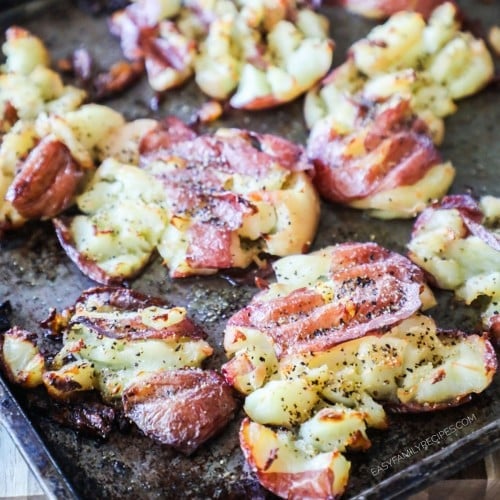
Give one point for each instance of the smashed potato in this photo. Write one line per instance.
(378, 158)
(232, 196)
(263, 53)
(457, 242)
(20, 358)
(26, 81)
(49, 137)
(205, 202)
(124, 215)
(135, 350)
(297, 57)
(307, 402)
(432, 64)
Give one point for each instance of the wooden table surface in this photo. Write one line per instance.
(479, 482)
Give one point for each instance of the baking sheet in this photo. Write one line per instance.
(35, 275)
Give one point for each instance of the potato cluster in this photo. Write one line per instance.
(431, 63)
(127, 214)
(258, 53)
(50, 150)
(458, 259)
(108, 359)
(139, 354)
(405, 63)
(49, 136)
(305, 408)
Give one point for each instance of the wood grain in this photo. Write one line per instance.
(16, 479)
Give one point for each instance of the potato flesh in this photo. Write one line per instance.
(124, 218)
(407, 201)
(24, 52)
(411, 364)
(44, 107)
(122, 143)
(26, 80)
(15, 143)
(335, 429)
(221, 55)
(116, 362)
(404, 364)
(109, 364)
(327, 399)
(236, 36)
(285, 468)
(285, 402)
(432, 64)
(22, 360)
(463, 263)
(428, 65)
(90, 359)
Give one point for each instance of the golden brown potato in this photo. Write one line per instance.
(20, 358)
(288, 471)
(114, 335)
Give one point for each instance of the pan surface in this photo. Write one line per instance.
(36, 275)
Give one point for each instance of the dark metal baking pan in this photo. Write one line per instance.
(35, 275)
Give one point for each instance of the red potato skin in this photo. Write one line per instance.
(381, 9)
(470, 212)
(169, 131)
(160, 53)
(304, 485)
(131, 328)
(108, 297)
(118, 298)
(180, 408)
(140, 39)
(131, 25)
(495, 329)
(375, 289)
(86, 265)
(242, 151)
(47, 181)
(197, 189)
(490, 366)
(209, 247)
(397, 152)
